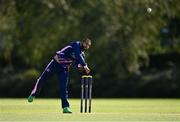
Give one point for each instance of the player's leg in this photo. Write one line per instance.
(49, 70)
(63, 81)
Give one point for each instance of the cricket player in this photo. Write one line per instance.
(72, 54)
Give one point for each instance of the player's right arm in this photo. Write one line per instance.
(79, 57)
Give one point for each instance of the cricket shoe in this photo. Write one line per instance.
(67, 110)
(31, 98)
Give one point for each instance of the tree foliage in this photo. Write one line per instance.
(124, 36)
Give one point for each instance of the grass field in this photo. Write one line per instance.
(102, 110)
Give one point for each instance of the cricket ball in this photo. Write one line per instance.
(149, 10)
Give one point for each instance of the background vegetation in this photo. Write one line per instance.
(135, 53)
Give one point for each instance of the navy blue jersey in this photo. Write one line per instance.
(71, 53)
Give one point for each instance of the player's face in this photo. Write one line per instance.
(86, 45)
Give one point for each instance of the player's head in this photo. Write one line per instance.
(85, 43)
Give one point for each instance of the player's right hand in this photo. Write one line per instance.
(87, 70)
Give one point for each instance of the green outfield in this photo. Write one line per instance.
(102, 110)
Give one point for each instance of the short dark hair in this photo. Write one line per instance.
(86, 40)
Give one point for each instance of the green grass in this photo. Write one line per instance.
(102, 110)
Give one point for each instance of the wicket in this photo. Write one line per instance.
(86, 92)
